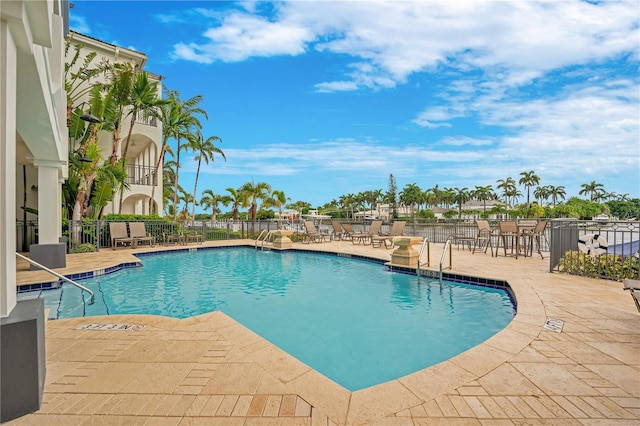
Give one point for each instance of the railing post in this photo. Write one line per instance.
(97, 225)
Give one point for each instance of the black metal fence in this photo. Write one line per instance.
(602, 249)
(598, 249)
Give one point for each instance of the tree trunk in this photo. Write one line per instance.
(114, 150)
(175, 187)
(155, 184)
(195, 185)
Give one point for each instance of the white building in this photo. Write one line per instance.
(33, 133)
(32, 124)
(146, 138)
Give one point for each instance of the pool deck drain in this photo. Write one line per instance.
(210, 370)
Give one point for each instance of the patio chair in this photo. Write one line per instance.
(509, 235)
(119, 234)
(536, 235)
(139, 234)
(484, 236)
(634, 288)
(178, 238)
(312, 234)
(193, 236)
(365, 238)
(396, 231)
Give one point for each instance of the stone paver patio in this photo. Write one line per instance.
(210, 370)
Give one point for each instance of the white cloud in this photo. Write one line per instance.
(514, 42)
(467, 141)
(438, 116)
(79, 24)
(242, 35)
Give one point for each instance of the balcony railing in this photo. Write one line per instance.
(141, 175)
(147, 120)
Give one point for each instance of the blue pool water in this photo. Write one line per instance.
(352, 320)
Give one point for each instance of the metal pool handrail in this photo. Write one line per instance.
(62, 277)
(425, 242)
(262, 240)
(447, 247)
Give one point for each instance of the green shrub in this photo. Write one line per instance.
(84, 248)
(606, 266)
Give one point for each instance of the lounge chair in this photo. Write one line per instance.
(119, 234)
(139, 234)
(349, 232)
(396, 231)
(634, 288)
(365, 238)
(312, 234)
(338, 232)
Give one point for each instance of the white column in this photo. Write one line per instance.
(8, 83)
(49, 201)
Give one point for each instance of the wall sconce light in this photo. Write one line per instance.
(82, 157)
(89, 118)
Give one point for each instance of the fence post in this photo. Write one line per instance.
(564, 237)
(98, 227)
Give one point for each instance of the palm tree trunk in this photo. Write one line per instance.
(175, 192)
(114, 150)
(155, 184)
(195, 185)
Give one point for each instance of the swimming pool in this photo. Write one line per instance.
(351, 320)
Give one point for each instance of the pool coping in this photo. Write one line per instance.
(396, 395)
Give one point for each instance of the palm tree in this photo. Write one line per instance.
(411, 195)
(171, 125)
(541, 193)
(211, 200)
(347, 202)
(278, 199)
(85, 173)
(188, 122)
(593, 189)
(462, 195)
(144, 102)
(528, 180)
(556, 192)
(448, 197)
(168, 187)
(251, 194)
(235, 199)
(483, 193)
(205, 151)
(187, 199)
(508, 187)
(121, 77)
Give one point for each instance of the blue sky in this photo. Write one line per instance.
(325, 98)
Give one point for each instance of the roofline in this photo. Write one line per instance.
(118, 52)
